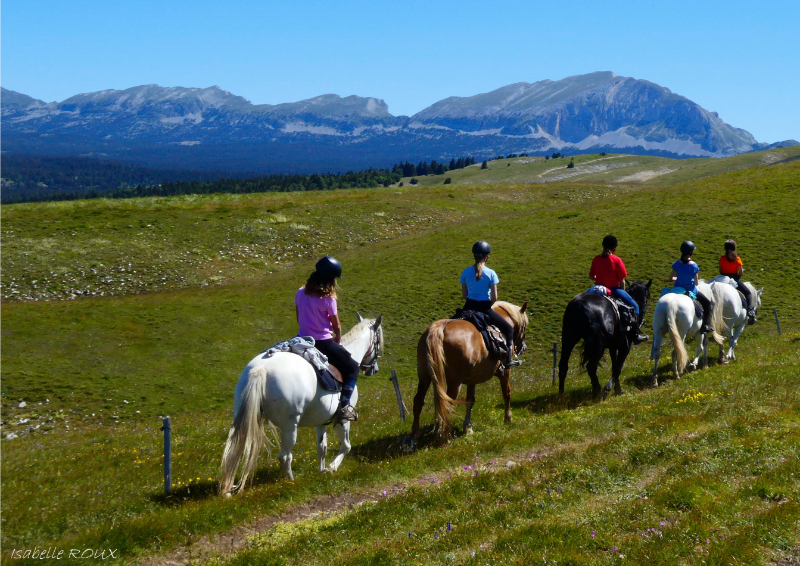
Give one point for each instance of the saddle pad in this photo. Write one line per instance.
(744, 300)
(330, 379)
(698, 308)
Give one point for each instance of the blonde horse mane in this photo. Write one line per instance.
(520, 318)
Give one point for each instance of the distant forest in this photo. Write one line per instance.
(38, 179)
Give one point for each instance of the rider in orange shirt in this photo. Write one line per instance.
(731, 266)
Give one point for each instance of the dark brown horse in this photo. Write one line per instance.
(452, 352)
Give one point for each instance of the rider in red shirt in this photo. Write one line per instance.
(609, 271)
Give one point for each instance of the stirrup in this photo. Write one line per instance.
(512, 362)
(639, 338)
(705, 329)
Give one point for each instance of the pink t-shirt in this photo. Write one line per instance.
(313, 313)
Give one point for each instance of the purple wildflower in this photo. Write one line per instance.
(593, 534)
(449, 526)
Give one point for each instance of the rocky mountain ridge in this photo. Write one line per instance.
(213, 128)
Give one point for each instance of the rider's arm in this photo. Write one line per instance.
(493, 293)
(624, 283)
(464, 291)
(696, 279)
(740, 270)
(673, 276)
(297, 314)
(337, 328)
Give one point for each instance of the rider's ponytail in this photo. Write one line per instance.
(479, 261)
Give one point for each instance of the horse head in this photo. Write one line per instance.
(369, 364)
(640, 291)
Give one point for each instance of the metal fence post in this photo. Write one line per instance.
(777, 322)
(167, 457)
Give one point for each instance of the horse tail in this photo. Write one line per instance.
(436, 370)
(677, 341)
(246, 436)
(717, 322)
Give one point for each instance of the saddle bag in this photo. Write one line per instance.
(627, 316)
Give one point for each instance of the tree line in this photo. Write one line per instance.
(34, 179)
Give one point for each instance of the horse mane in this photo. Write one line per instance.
(355, 331)
(350, 336)
(520, 319)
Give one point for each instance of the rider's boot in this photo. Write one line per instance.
(640, 337)
(751, 316)
(512, 360)
(346, 413)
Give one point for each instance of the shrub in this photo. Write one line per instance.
(447, 181)
(413, 181)
(484, 165)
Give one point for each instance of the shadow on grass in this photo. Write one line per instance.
(201, 491)
(390, 447)
(554, 403)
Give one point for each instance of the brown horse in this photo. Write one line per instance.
(452, 352)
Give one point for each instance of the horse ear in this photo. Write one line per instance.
(523, 307)
(760, 291)
(649, 283)
(378, 321)
(359, 317)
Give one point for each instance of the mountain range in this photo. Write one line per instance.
(212, 129)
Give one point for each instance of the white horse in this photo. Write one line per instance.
(284, 390)
(675, 315)
(734, 314)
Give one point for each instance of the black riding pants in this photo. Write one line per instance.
(742, 287)
(706, 306)
(341, 359)
(485, 307)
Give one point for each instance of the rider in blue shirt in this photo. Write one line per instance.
(684, 274)
(479, 289)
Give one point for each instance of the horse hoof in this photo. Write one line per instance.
(654, 383)
(227, 495)
(468, 431)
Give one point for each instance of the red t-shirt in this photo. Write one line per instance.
(608, 271)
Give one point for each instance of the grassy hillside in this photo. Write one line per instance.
(104, 368)
(610, 169)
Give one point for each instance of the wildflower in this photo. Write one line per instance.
(449, 526)
(593, 534)
(384, 492)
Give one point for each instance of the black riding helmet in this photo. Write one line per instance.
(329, 267)
(609, 242)
(688, 247)
(481, 248)
(730, 246)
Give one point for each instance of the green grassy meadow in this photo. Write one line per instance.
(612, 168)
(129, 310)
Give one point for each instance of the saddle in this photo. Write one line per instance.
(492, 337)
(626, 314)
(698, 307)
(328, 376)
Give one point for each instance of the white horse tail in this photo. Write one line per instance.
(246, 437)
(436, 370)
(677, 341)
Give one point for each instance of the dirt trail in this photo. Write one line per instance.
(225, 544)
(582, 165)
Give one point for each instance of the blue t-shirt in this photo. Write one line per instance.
(479, 290)
(685, 273)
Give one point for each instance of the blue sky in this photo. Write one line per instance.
(737, 58)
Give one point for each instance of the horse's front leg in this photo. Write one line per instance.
(470, 403)
(505, 388)
(288, 440)
(655, 355)
(322, 446)
(705, 351)
(591, 369)
(698, 352)
(616, 368)
(343, 432)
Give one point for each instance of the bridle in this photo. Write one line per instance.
(369, 364)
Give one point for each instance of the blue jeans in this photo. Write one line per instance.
(620, 293)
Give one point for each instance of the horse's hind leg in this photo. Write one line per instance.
(419, 402)
(470, 403)
(567, 345)
(322, 446)
(288, 440)
(505, 388)
(343, 432)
